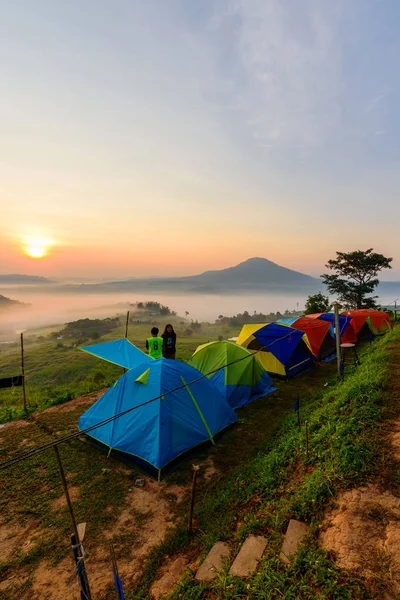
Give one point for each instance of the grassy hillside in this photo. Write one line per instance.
(280, 482)
(57, 371)
(261, 479)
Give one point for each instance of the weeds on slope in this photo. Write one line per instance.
(282, 483)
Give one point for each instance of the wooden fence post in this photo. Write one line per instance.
(75, 541)
(127, 323)
(23, 369)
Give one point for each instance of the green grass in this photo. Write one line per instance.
(263, 477)
(280, 483)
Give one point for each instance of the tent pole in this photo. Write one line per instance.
(193, 399)
(337, 337)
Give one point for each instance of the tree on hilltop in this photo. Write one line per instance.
(355, 277)
(318, 303)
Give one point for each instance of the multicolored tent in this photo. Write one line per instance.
(281, 350)
(234, 370)
(160, 423)
(319, 334)
(119, 352)
(367, 321)
(347, 333)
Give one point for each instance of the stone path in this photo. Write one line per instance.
(245, 563)
(213, 562)
(293, 538)
(249, 556)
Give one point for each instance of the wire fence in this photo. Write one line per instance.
(35, 451)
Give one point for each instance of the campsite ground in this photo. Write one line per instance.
(34, 521)
(253, 480)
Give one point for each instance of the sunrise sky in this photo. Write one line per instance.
(161, 137)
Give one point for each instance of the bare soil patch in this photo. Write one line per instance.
(75, 403)
(60, 502)
(363, 530)
(146, 515)
(14, 536)
(170, 575)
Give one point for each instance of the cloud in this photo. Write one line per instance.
(291, 64)
(374, 102)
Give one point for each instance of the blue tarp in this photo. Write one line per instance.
(161, 430)
(120, 352)
(289, 320)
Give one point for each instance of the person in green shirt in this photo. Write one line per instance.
(154, 344)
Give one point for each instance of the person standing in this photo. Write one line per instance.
(154, 344)
(169, 342)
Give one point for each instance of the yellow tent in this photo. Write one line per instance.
(282, 350)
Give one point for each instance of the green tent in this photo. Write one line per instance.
(234, 370)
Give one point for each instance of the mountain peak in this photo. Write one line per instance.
(255, 272)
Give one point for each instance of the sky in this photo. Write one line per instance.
(168, 137)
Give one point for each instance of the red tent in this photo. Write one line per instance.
(347, 333)
(368, 320)
(318, 332)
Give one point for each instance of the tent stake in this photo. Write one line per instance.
(194, 480)
(76, 545)
(23, 369)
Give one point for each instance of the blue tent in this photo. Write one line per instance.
(164, 428)
(280, 349)
(120, 352)
(344, 321)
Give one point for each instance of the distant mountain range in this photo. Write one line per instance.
(9, 303)
(16, 279)
(255, 274)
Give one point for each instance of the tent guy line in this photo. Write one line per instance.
(44, 447)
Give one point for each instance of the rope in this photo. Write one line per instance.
(31, 453)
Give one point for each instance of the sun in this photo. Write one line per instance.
(36, 247)
(36, 251)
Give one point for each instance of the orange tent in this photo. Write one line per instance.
(368, 320)
(318, 332)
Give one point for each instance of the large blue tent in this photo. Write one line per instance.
(157, 431)
(119, 352)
